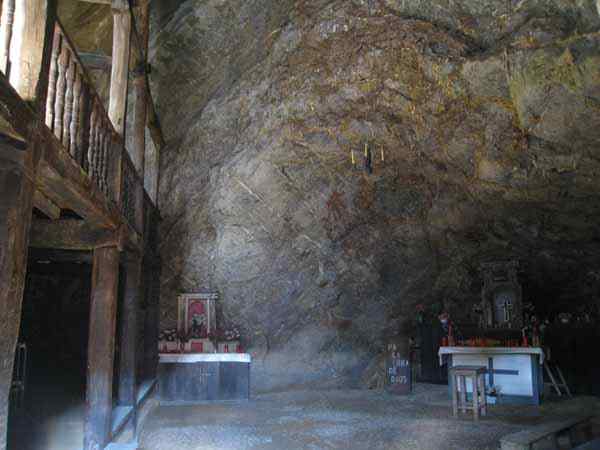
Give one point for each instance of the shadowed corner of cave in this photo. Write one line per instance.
(564, 295)
(48, 412)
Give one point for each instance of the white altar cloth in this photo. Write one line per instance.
(191, 358)
(491, 351)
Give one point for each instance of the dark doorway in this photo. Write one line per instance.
(54, 329)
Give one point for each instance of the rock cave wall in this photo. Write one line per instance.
(488, 114)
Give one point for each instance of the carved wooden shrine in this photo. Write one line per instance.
(501, 295)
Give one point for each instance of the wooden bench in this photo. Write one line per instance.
(578, 429)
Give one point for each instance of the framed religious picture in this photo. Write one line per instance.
(196, 316)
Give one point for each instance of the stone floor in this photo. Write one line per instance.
(344, 419)
(53, 415)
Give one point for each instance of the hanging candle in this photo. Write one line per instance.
(382, 154)
(352, 157)
(368, 160)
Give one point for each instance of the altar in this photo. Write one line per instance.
(199, 361)
(514, 373)
(196, 377)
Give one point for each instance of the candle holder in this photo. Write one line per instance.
(368, 157)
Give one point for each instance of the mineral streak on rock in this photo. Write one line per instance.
(488, 117)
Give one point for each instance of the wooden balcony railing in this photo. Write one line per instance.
(131, 191)
(75, 114)
(77, 117)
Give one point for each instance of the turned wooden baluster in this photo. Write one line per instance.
(106, 156)
(83, 136)
(101, 161)
(61, 85)
(97, 149)
(8, 19)
(92, 141)
(68, 114)
(129, 212)
(74, 145)
(52, 78)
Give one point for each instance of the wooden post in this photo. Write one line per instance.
(152, 175)
(29, 74)
(18, 176)
(152, 318)
(120, 64)
(6, 31)
(128, 326)
(157, 139)
(101, 347)
(17, 187)
(141, 99)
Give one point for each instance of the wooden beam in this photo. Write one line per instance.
(6, 33)
(53, 255)
(154, 122)
(45, 205)
(152, 271)
(101, 348)
(120, 66)
(9, 137)
(139, 49)
(18, 171)
(100, 2)
(95, 61)
(14, 111)
(64, 181)
(29, 74)
(129, 335)
(17, 185)
(139, 82)
(71, 234)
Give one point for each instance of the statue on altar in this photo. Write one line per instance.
(501, 296)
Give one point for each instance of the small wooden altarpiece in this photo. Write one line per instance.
(502, 295)
(197, 320)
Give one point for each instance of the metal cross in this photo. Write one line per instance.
(507, 307)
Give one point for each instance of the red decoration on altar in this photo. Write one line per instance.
(197, 347)
(451, 341)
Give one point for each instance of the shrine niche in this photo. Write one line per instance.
(197, 322)
(501, 296)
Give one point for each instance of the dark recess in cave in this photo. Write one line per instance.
(54, 327)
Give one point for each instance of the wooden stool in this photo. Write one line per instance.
(459, 375)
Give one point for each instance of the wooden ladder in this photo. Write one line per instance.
(557, 386)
